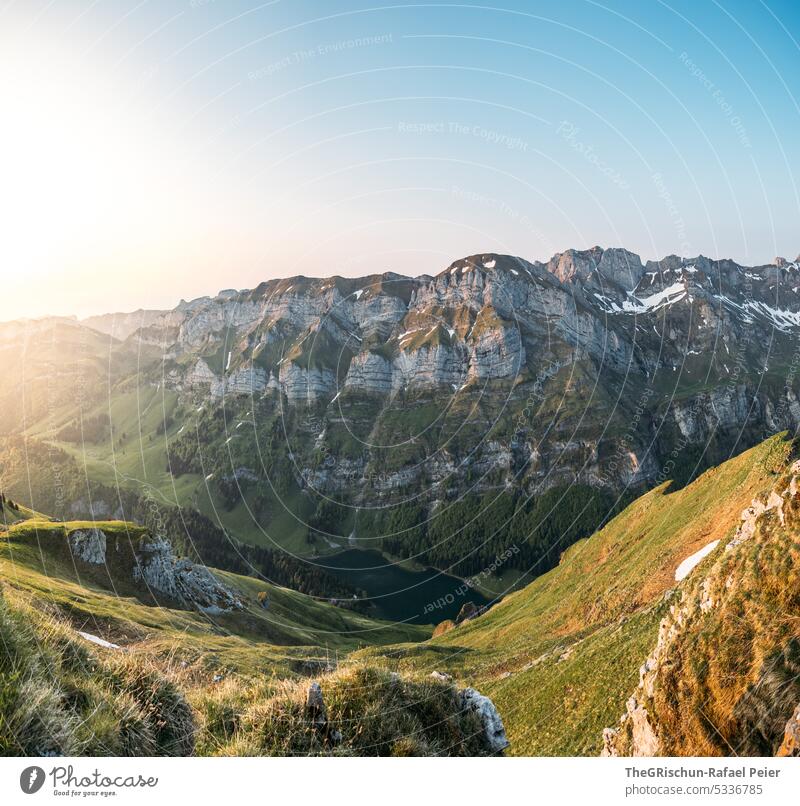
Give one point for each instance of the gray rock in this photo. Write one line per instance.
(472, 700)
(316, 712)
(181, 580)
(89, 545)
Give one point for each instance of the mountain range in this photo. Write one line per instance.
(445, 420)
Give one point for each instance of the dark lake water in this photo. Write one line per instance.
(419, 597)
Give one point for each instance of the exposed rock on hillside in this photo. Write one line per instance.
(791, 736)
(155, 566)
(191, 585)
(89, 545)
(489, 716)
(724, 675)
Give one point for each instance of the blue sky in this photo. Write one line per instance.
(169, 149)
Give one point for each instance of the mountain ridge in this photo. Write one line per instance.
(96, 320)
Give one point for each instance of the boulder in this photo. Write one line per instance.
(472, 700)
(469, 610)
(316, 712)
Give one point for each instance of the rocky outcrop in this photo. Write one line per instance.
(181, 580)
(468, 611)
(765, 539)
(369, 373)
(247, 380)
(642, 738)
(429, 366)
(316, 712)
(88, 545)
(472, 700)
(302, 385)
(200, 376)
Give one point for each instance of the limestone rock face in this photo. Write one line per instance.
(89, 545)
(497, 353)
(181, 580)
(489, 716)
(429, 366)
(594, 326)
(303, 385)
(247, 380)
(370, 373)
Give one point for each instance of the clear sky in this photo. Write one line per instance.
(158, 149)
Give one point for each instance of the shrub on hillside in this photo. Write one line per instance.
(368, 713)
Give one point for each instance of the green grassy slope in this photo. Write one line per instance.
(181, 682)
(36, 564)
(560, 657)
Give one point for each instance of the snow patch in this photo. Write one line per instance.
(782, 319)
(686, 567)
(99, 641)
(667, 296)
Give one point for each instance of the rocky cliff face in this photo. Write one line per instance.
(592, 347)
(152, 564)
(181, 580)
(490, 316)
(723, 675)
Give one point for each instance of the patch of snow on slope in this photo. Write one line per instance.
(99, 641)
(686, 567)
(608, 305)
(781, 319)
(674, 293)
(490, 264)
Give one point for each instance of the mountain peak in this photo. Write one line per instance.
(615, 264)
